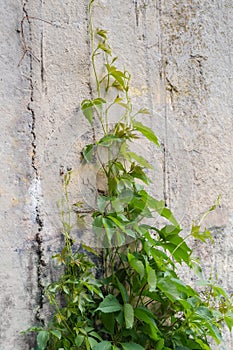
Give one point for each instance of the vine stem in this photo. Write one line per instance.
(53, 301)
(182, 242)
(93, 50)
(175, 322)
(199, 224)
(140, 295)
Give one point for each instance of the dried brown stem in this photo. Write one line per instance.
(27, 49)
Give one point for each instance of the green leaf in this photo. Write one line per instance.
(131, 233)
(151, 278)
(99, 101)
(201, 235)
(119, 239)
(93, 289)
(87, 110)
(97, 225)
(120, 318)
(110, 68)
(137, 265)
(119, 76)
(169, 231)
(179, 253)
(166, 213)
(204, 312)
(108, 140)
(95, 335)
(42, 339)
(118, 87)
(159, 345)
(169, 289)
(109, 321)
(182, 287)
(56, 333)
(87, 153)
(103, 33)
(123, 291)
(105, 47)
(32, 329)
(92, 342)
(88, 347)
(66, 290)
(109, 304)
(146, 316)
(117, 205)
(228, 318)
(109, 229)
(147, 132)
(119, 100)
(129, 316)
(102, 202)
(79, 339)
(214, 332)
(159, 207)
(203, 345)
(144, 111)
(191, 344)
(139, 159)
(104, 345)
(89, 249)
(137, 172)
(131, 346)
(160, 257)
(117, 222)
(219, 291)
(175, 289)
(126, 196)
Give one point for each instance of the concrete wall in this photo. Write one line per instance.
(179, 53)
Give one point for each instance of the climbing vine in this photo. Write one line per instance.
(138, 300)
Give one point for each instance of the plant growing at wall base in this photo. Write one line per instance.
(139, 301)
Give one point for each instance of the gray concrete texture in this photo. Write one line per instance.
(179, 53)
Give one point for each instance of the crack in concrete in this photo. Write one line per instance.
(163, 82)
(88, 42)
(136, 12)
(42, 57)
(42, 64)
(39, 221)
(172, 90)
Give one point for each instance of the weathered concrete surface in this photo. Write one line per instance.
(179, 54)
(18, 275)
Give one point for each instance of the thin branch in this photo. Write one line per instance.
(27, 49)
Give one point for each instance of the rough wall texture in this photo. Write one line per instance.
(180, 55)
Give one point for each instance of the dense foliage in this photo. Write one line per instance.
(139, 301)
